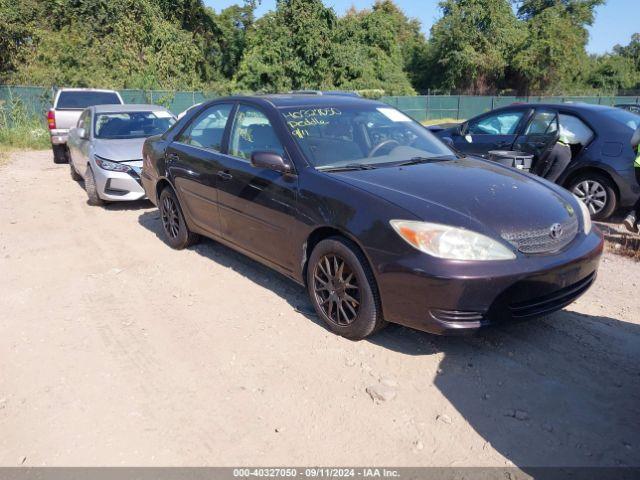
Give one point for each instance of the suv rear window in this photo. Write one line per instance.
(80, 100)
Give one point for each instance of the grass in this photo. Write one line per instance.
(438, 121)
(20, 129)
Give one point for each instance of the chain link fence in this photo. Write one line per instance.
(34, 102)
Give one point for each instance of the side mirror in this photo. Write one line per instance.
(635, 140)
(82, 133)
(270, 161)
(462, 128)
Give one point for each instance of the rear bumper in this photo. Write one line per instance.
(455, 298)
(59, 136)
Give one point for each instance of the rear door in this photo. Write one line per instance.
(193, 160)
(539, 137)
(492, 131)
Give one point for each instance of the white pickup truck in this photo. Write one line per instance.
(68, 105)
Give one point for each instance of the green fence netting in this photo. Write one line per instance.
(34, 101)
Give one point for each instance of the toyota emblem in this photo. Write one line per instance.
(555, 231)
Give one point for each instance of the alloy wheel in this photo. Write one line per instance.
(592, 194)
(170, 217)
(336, 289)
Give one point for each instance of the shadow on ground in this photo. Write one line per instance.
(558, 391)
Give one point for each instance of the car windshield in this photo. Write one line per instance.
(79, 100)
(359, 136)
(624, 117)
(119, 125)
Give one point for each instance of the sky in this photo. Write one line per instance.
(615, 21)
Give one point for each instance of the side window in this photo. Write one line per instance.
(504, 123)
(207, 131)
(83, 119)
(543, 123)
(252, 132)
(574, 131)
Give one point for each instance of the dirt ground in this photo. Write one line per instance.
(117, 350)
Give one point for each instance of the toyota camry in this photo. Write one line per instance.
(380, 220)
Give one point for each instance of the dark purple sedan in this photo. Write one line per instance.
(381, 221)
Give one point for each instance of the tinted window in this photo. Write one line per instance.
(504, 123)
(132, 124)
(207, 130)
(252, 132)
(574, 131)
(543, 123)
(81, 100)
(361, 133)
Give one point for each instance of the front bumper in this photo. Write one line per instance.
(117, 186)
(448, 297)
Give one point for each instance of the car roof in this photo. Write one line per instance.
(128, 107)
(568, 106)
(70, 89)
(287, 100)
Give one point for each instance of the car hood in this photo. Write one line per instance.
(469, 193)
(119, 150)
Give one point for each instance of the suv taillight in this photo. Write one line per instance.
(51, 119)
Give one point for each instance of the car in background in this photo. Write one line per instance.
(106, 149)
(601, 171)
(629, 107)
(380, 220)
(68, 105)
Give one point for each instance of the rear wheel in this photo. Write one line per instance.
(60, 154)
(342, 289)
(175, 228)
(92, 190)
(597, 192)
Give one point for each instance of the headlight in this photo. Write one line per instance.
(444, 241)
(111, 166)
(586, 216)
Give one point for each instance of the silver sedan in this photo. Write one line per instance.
(106, 149)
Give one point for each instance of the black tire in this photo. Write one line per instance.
(75, 176)
(60, 154)
(349, 309)
(91, 189)
(597, 192)
(175, 229)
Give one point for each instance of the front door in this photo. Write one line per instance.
(257, 206)
(193, 160)
(539, 137)
(493, 131)
(79, 146)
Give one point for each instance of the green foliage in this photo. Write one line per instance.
(472, 44)
(477, 47)
(19, 128)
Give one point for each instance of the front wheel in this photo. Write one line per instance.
(597, 193)
(342, 289)
(92, 190)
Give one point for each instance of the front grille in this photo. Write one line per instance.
(541, 240)
(554, 301)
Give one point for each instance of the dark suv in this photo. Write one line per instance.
(601, 171)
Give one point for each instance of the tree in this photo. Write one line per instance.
(471, 45)
(553, 56)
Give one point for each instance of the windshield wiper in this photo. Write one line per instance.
(347, 167)
(417, 160)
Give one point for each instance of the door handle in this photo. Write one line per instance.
(224, 176)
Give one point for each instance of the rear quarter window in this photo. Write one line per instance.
(80, 100)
